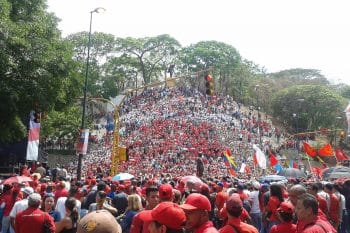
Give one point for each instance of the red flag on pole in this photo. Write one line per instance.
(341, 156)
(247, 169)
(255, 159)
(326, 151)
(273, 160)
(317, 171)
(309, 150)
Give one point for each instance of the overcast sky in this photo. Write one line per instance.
(276, 34)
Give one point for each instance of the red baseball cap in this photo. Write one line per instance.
(286, 207)
(166, 213)
(165, 191)
(196, 201)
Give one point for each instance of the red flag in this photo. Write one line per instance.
(255, 159)
(317, 171)
(273, 160)
(326, 150)
(247, 169)
(232, 172)
(309, 150)
(341, 156)
(295, 165)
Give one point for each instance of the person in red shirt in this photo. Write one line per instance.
(285, 214)
(334, 214)
(308, 221)
(276, 198)
(166, 216)
(152, 200)
(234, 207)
(322, 203)
(196, 208)
(8, 200)
(32, 219)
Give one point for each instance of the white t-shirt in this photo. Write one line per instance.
(60, 207)
(254, 198)
(18, 207)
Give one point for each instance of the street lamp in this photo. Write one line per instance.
(297, 121)
(258, 107)
(83, 132)
(335, 131)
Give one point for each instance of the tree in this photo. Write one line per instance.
(154, 54)
(315, 106)
(298, 76)
(222, 58)
(36, 66)
(101, 51)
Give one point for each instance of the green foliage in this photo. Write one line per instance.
(153, 54)
(316, 106)
(298, 76)
(62, 124)
(36, 67)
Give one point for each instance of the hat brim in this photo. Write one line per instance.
(188, 207)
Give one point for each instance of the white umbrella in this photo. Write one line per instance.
(122, 176)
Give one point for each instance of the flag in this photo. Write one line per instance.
(227, 155)
(247, 169)
(309, 150)
(341, 156)
(260, 157)
(229, 163)
(292, 164)
(33, 138)
(347, 114)
(326, 150)
(317, 171)
(278, 168)
(232, 172)
(242, 169)
(255, 160)
(83, 141)
(273, 160)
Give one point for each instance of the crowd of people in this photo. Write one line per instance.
(138, 205)
(166, 132)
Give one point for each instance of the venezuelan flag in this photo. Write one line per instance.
(228, 159)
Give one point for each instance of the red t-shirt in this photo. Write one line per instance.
(241, 227)
(272, 206)
(32, 221)
(285, 227)
(206, 227)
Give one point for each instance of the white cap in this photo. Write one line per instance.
(28, 190)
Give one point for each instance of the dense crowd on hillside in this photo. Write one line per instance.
(167, 131)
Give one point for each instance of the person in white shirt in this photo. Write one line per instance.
(20, 205)
(255, 212)
(60, 205)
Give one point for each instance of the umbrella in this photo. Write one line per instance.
(336, 172)
(122, 176)
(17, 179)
(192, 179)
(291, 173)
(196, 181)
(272, 178)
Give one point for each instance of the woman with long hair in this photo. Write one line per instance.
(69, 223)
(134, 206)
(49, 207)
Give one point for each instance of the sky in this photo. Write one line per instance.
(275, 34)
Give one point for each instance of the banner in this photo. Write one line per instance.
(33, 138)
(347, 114)
(83, 141)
